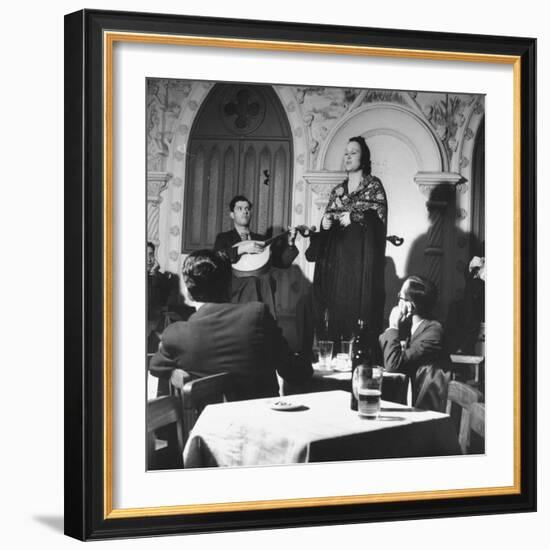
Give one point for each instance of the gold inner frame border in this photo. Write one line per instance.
(109, 40)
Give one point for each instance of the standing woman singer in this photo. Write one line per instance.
(350, 249)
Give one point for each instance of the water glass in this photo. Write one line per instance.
(343, 362)
(367, 388)
(346, 346)
(325, 354)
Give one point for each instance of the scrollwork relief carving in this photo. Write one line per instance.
(461, 214)
(165, 101)
(478, 108)
(447, 114)
(464, 161)
(462, 188)
(387, 96)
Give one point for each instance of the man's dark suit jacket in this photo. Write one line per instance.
(242, 339)
(282, 255)
(424, 360)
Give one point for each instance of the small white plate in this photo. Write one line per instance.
(284, 405)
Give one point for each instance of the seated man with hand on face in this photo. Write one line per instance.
(423, 358)
(241, 339)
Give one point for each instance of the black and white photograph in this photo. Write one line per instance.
(315, 265)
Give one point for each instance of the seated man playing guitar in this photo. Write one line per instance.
(239, 241)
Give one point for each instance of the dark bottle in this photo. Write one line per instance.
(361, 355)
(325, 324)
(322, 332)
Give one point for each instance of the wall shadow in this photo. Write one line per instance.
(393, 285)
(464, 311)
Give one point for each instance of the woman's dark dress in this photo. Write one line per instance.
(349, 270)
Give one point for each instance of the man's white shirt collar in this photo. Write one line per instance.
(415, 326)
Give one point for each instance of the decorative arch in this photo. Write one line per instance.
(170, 218)
(378, 118)
(413, 165)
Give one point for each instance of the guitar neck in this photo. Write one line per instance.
(271, 239)
(299, 228)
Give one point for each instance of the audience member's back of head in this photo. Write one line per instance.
(207, 276)
(422, 293)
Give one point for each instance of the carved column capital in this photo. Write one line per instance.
(324, 178)
(437, 184)
(321, 183)
(156, 184)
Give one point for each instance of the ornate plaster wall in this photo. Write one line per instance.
(420, 142)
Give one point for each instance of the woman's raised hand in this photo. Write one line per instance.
(345, 219)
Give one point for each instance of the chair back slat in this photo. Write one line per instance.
(199, 393)
(184, 407)
(463, 397)
(162, 412)
(477, 419)
(205, 391)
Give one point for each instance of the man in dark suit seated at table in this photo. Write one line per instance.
(240, 240)
(423, 357)
(241, 339)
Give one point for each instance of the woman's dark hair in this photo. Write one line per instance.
(422, 293)
(207, 276)
(150, 245)
(237, 199)
(365, 154)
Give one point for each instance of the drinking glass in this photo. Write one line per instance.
(367, 388)
(343, 362)
(346, 346)
(325, 354)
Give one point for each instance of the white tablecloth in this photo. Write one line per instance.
(250, 433)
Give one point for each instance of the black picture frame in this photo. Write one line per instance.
(88, 515)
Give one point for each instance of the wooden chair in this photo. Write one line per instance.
(463, 365)
(163, 412)
(462, 397)
(477, 428)
(199, 393)
(182, 408)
